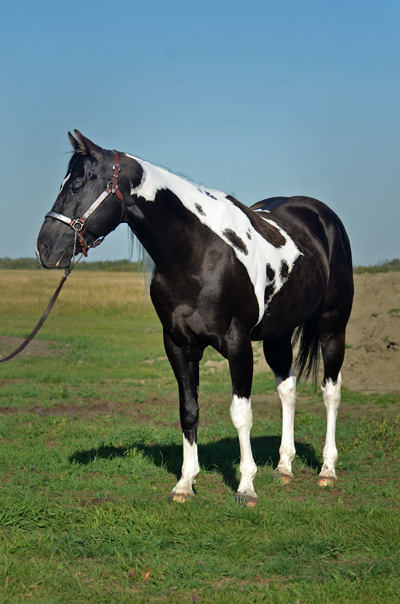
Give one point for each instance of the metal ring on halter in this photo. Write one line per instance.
(77, 226)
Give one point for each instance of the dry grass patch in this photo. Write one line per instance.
(28, 292)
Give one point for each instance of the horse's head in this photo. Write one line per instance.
(90, 204)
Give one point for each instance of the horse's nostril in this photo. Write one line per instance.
(44, 250)
(44, 255)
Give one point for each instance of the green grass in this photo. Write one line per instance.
(90, 448)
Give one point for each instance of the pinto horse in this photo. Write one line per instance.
(224, 275)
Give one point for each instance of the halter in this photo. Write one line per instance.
(77, 224)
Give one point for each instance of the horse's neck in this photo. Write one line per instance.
(166, 211)
(166, 237)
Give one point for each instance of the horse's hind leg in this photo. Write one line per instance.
(187, 375)
(240, 357)
(331, 329)
(279, 356)
(333, 354)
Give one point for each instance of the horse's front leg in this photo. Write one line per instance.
(240, 358)
(187, 374)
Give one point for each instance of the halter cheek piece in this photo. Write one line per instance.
(77, 223)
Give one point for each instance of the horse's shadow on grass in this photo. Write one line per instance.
(221, 456)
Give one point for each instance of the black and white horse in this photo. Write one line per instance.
(225, 275)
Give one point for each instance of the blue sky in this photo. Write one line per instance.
(258, 99)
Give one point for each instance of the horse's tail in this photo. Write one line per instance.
(307, 360)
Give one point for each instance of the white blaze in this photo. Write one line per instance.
(66, 179)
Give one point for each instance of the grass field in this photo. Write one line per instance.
(90, 447)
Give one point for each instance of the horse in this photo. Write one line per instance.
(224, 275)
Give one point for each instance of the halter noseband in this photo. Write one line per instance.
(77, 223)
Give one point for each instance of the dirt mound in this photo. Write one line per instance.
(373, 336)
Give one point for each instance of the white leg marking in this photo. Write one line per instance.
(190, 469)
(287, 394)
(242, 419)
(331, 395)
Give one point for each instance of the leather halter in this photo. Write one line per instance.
(77, 223)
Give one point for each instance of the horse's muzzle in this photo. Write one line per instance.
(52, 259)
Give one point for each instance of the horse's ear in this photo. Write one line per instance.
(73, 142)
(85, 146)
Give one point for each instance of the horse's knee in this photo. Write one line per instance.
(189, 414)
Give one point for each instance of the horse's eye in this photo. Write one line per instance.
(76, 185)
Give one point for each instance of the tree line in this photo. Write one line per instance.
(106, 265)
(140, 265)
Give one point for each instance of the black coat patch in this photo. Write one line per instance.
(236, 241)
(270, 273)
(199, 209)
(284, 270)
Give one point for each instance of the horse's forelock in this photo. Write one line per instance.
(74, 157)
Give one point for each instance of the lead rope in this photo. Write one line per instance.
(68, 271)
(48, 309)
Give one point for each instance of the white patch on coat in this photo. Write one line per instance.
(222, 216)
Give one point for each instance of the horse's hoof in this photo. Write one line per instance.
(282, 478)
(181, 497)
(249, 501)
(326, 481)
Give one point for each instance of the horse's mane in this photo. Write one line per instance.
(137, 249)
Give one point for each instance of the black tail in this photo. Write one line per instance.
(307, 361)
